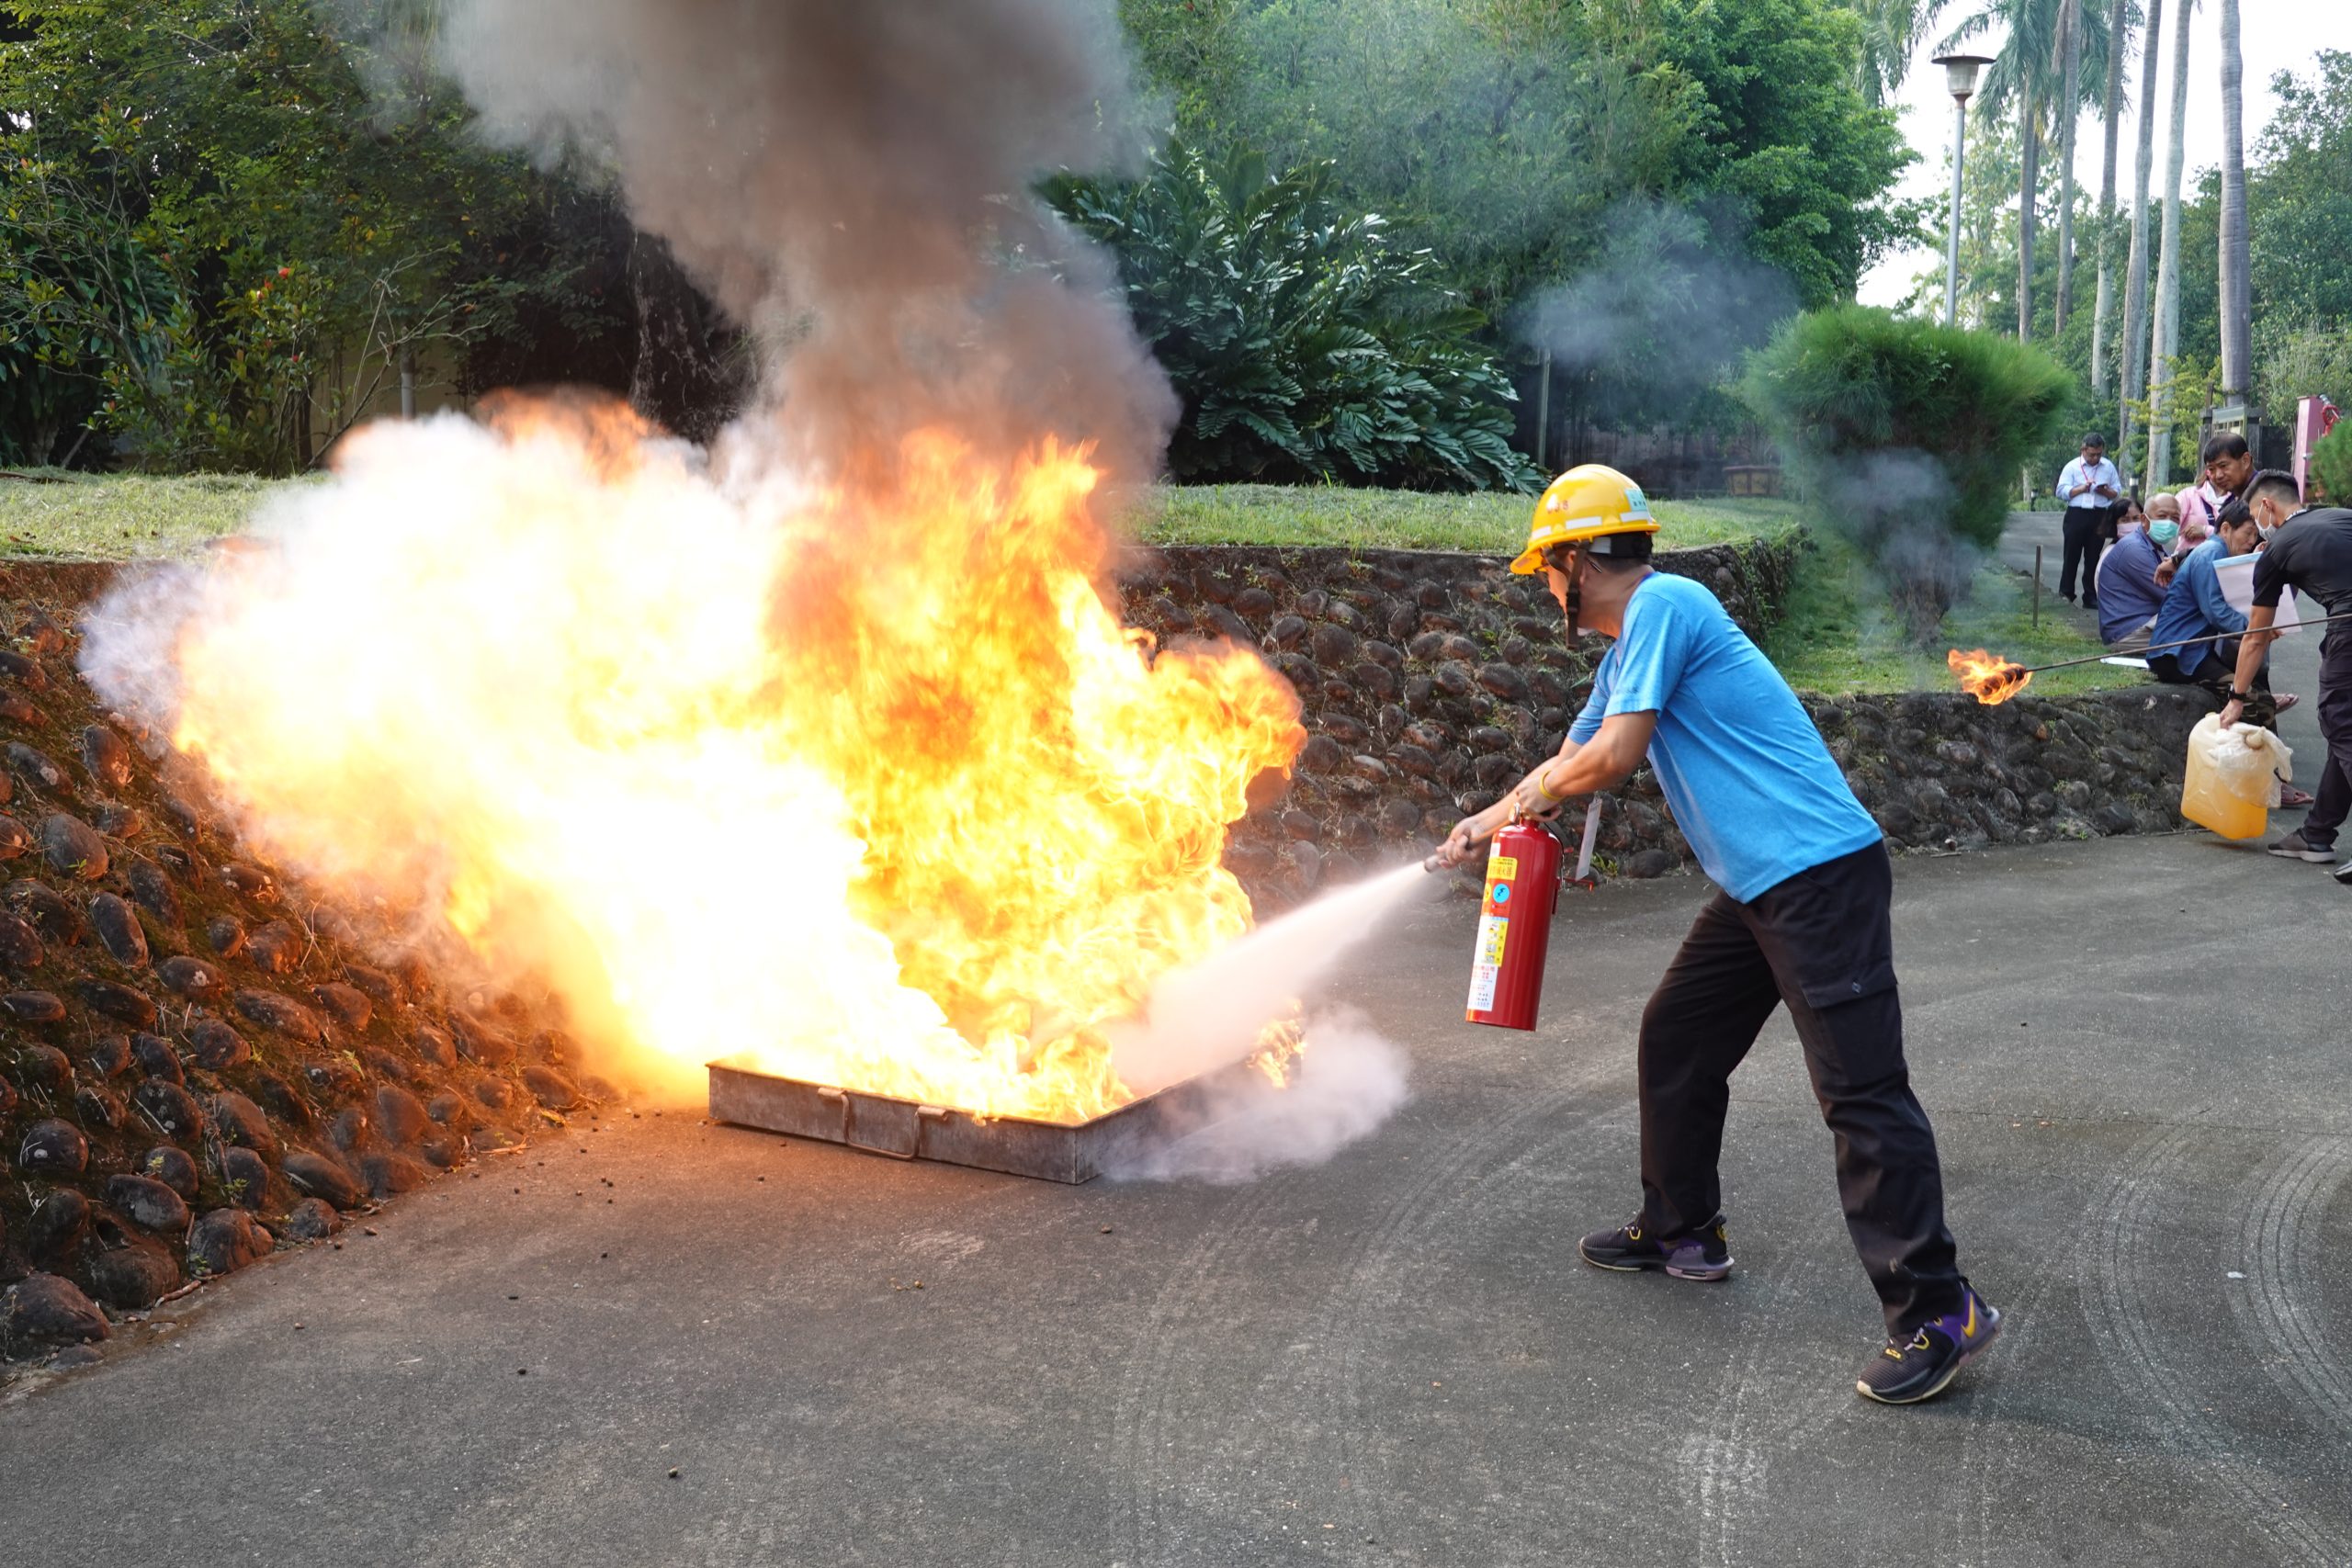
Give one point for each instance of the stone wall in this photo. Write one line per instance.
(199, 1063)
(1430, 681)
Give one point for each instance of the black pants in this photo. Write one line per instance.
(1821, 944)
(2334, 796)
(2212, 665)
(2085, 535)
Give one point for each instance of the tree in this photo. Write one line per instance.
(2070, 106)
(2299, 206)
(2165, 333)
(212, 198)
(2135, 285)
(2110, 107)
(1304, 345)
(1908, 434)
(1532, 120)
(2029, 76)
(2237, 301)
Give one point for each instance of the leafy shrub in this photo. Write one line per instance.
(1909, 435)
(1304, 347)
(2332, 464)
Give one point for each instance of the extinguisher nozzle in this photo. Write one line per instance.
(1434, 865)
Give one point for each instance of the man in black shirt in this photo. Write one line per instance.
(2308, 548)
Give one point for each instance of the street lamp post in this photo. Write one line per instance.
(1960, 76)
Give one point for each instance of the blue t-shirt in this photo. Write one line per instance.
(2194, 606)
(1750, 783)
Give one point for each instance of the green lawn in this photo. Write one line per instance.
(110, 517)
(1411, 520)
(1837, 633)
(91, 516)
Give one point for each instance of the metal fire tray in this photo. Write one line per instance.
(1053, 1151)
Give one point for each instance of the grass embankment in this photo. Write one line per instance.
(1837, 632)
(1489, 523)
(119, 516)
(109, 516)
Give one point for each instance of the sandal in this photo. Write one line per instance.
(2289, 797)
(2286, 700)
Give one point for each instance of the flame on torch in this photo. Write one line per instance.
(1986, 678)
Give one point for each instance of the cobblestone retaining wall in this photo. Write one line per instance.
(1430, 681)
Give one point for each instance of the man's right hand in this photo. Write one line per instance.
(1463, 842)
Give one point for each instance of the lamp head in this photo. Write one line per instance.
(1960, 73)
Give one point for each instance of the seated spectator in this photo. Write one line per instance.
(2193, 607)
(2128, 592)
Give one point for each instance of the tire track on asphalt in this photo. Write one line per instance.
(2292, 1194)
(1374, 1284)
(1987, 1460)
(2127, 1276)
(1153, 1391)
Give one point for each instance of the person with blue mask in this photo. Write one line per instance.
(2129, 590)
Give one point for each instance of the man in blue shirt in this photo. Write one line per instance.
(2093, 493)
(2194, 606)
(2129, 592)
(1801, 919)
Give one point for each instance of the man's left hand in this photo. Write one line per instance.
(1530, 798)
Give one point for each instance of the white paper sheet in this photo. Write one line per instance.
(2235, 575)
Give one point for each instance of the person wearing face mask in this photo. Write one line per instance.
(2129, 594)
(2308, 550)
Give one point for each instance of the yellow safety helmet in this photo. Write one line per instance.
(1589, 502)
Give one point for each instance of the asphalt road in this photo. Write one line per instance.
(2134, 1052)
(1391, 1357)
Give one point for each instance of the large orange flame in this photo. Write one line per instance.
(1986, 678)
(861, 781)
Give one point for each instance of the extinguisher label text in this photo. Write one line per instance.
(1502, 868)
(1492, 929)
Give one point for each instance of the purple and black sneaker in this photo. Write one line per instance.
(1923, 1366)
(1700, 1254)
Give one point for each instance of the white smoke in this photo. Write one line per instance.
(1347, 1084)
(1211, 1014)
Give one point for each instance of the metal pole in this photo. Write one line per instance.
(1543, 409)
(1952, 263)
(2037, 585)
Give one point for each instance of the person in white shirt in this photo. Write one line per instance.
(2092, 491)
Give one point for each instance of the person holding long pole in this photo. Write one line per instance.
(2308, 549)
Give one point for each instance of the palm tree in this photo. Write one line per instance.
(2028, 74)
(2069, 107)
(2164, 339)
(2020, 79)
(1891, 33)
(2135, 275)
(2109, 110)
(2237, 303)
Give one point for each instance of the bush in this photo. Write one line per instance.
(1304, 347)
(1910, 436)
(2332, 464)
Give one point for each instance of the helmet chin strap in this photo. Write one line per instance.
(1575, 599)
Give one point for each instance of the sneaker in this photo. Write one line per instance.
(1923, 1366)
(2343, 874)
(1700, 1254)
(2294, 846)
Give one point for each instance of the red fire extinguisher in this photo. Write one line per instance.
(1514, 926)
(1515, 920)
